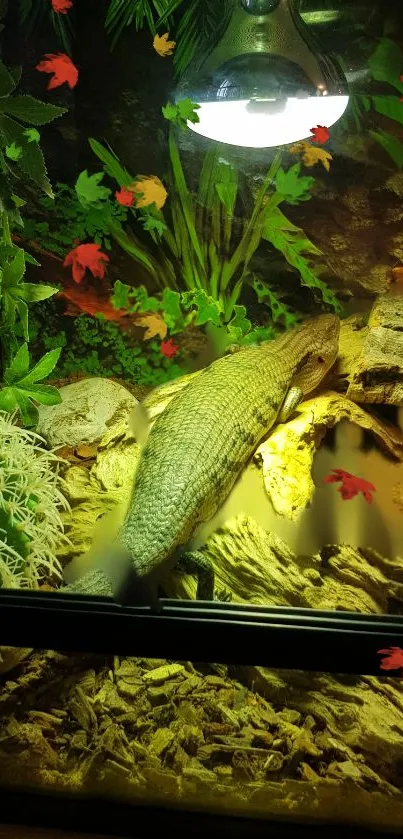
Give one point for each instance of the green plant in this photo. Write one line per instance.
(16, 112)
(31, 502)
(201, 23)
(179, 309)
(97, 347)
(32, 13)
(22, 386)
(202, 251)
(385, 63)
(20, 156)
(67, 221)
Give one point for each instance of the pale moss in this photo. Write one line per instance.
(31, 503)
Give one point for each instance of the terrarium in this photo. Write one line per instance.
(201, 441)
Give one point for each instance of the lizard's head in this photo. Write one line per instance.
(317, 343)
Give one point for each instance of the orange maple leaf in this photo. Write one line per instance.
(162, 46)
(312, 154)
(320, 134)
(168, 348)
(61, 7)
(125, 197)
(87, 256)
(149, 190)
(154, 324)
(62, 67)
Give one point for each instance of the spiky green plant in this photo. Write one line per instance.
(31, 502)
(197, 245)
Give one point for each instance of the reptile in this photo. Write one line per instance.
(196, 450)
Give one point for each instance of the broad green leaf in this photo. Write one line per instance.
(31, 259)
(31, 110)
(275, 218)
(187, 110)
(386, 63)
(7, 83)
(16, 73)
(19, 366)
(44, 394)
(391, 144)
(259, 334)
(33, 292)
(294, 186)
(208, 309)
(8, 401)
(227, 192)
(89, 191)
(41, 369)
(31, 161)
(28, 411)
(279, 311)
(171, 307)
(120, 298)
(292, 243)
(181, 112)
(142, 302)
(239, 325)
(389, 106)
(170, 111)
(18, 399)
(14, 271)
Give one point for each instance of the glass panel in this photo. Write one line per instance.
(242, 740)
(210, 347)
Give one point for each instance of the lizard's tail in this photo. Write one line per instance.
(111, 574)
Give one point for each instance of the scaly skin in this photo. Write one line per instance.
(200, 444)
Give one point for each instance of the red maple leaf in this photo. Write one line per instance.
(125, 197)
(320, 134)
(87, 256)
(393, 660)
(168, 348)
(62, 67)
(350, 485)
(61, 7)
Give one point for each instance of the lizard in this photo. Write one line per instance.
(196, 450)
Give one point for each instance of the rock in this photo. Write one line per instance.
(87, 409)
(11, 657)
(161, 741)
(162, 674)
(287, 454)
(378, 372)
(258, 567)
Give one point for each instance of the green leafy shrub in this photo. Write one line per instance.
(20, 157)
(94, 346)
(197, 247)
(67, 221)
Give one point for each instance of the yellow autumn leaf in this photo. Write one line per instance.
(312, 154)
(151, 191)
(162, 46)
(153, 324)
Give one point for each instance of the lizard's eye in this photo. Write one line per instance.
(321, 360)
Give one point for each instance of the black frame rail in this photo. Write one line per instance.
(288, 638)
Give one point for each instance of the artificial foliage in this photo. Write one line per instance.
(31, 504)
